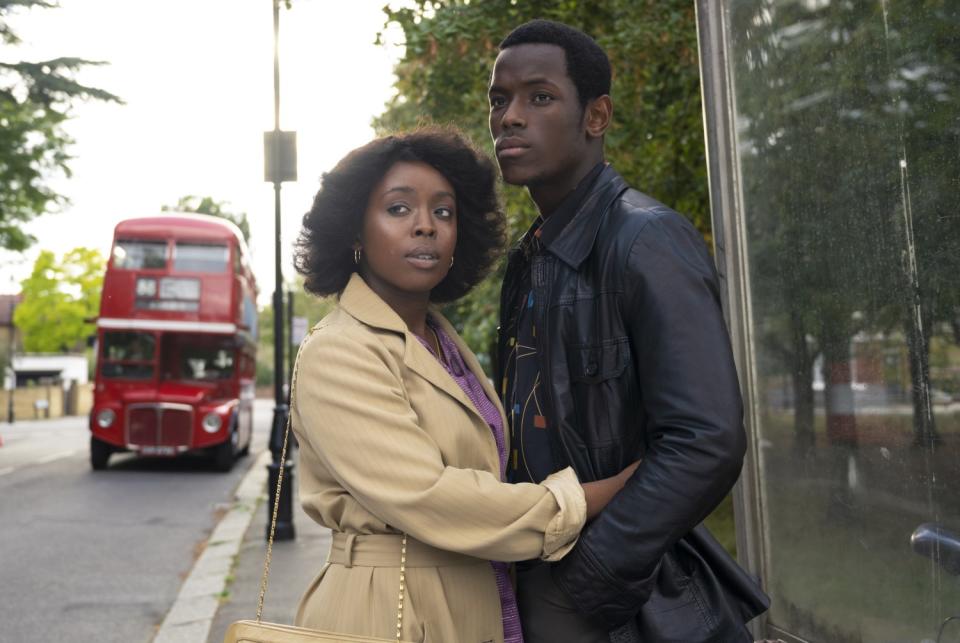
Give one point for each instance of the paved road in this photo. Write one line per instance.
(99, 556)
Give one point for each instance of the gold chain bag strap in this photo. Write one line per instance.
(260, 632)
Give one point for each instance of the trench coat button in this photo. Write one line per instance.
(592, 369)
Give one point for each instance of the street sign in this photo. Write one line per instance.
(298, 329)
(279, 156)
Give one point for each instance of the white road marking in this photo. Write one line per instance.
(54, 456)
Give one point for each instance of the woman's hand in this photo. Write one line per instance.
(599, 493)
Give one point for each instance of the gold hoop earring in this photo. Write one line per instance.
(356, 256)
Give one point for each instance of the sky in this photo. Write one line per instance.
(196, 77)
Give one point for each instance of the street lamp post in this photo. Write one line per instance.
(9, 365)
(8, 369)
(280, 154)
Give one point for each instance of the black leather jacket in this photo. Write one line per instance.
(635, 353)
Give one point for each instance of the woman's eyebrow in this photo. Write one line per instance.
(406, 189)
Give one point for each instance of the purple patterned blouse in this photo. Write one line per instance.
(453, 362)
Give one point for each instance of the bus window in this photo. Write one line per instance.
(137, 255)
(127, 355)
(192, 358)
(200, 257)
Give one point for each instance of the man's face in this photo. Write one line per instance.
(536, 120)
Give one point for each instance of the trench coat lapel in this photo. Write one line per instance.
(366, 306)
(470, 359)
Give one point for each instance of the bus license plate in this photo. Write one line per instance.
(158, 450)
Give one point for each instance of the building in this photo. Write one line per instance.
(9, 336)
(37, 368)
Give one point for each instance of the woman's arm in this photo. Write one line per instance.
(599, 493)
(352, 415)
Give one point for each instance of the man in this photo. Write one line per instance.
(612, 348)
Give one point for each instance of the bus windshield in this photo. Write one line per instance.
(127, 355)
(205, 358)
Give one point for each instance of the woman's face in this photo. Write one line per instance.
(409, 232)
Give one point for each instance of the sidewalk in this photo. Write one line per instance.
(293, 565)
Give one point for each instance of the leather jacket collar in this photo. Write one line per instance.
(572, 246)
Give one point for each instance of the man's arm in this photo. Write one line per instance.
(694, 417)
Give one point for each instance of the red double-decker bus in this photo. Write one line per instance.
(176, 349)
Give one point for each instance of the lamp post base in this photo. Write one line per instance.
(284, 529)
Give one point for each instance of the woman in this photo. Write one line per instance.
(399, 430)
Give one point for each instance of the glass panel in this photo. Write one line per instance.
(128, 346)
(195, 257)
(848, 134)
(136, 255)
(198, 358)
(124, 355)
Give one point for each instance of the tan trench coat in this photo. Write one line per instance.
(389, 443)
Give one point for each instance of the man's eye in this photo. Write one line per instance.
(497, 101)
(542, 98)
(398, 209)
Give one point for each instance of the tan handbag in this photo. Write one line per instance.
(259, 632)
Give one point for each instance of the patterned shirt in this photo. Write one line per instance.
(453, 363)
(531, 458)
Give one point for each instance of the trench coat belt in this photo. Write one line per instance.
(383, 550)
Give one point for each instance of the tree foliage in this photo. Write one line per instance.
(58, 299)
(207, 205)
(35, 101)
(655, 142)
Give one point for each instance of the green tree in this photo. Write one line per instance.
(655, 142)
(58, 300)
(207, 205)
(304, 305)
(35, 101)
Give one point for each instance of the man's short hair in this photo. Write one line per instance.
(587, 63)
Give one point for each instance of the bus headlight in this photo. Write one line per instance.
(212, 422)
(105, 418)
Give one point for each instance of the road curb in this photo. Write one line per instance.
(192, 613)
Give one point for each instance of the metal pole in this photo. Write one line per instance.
(291, 349)
(13, 374)
(284, 529)
(278, 343)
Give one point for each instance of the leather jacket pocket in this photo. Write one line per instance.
(599, 388)
(593, 363)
